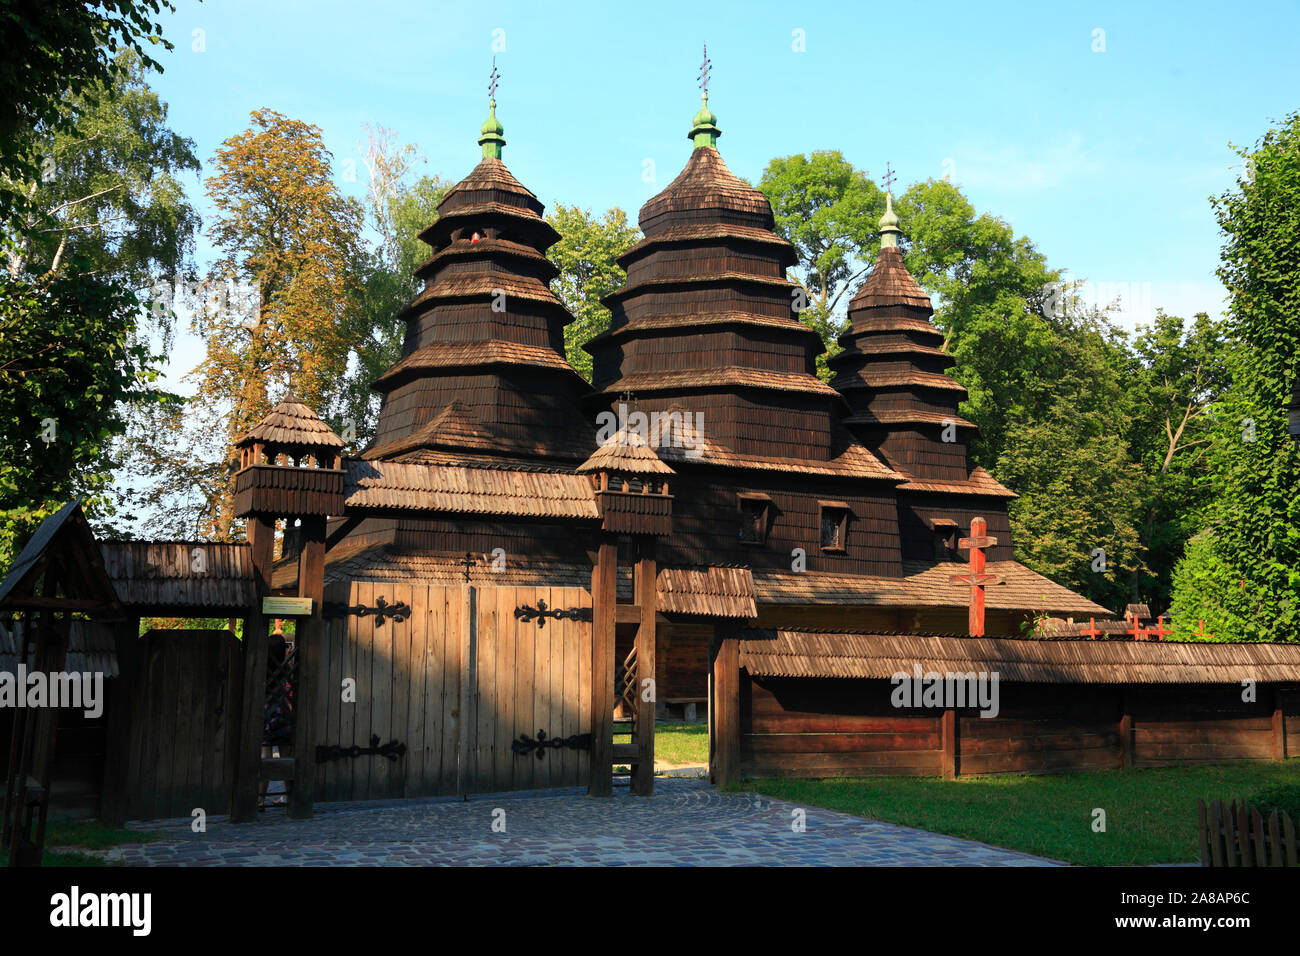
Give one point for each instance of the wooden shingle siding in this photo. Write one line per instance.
(181, 574)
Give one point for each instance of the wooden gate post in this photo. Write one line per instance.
(308, 640)
(252, 700)
(117, 747)
(647, 599)
(604, 595)
(725, 712)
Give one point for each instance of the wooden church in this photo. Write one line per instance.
(504, 588)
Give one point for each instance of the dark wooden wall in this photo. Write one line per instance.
(184, 724)
(842, 727)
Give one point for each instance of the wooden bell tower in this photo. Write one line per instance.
(632, 491)
(289, 467)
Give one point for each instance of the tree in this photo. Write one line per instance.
(290, 244)
(56, 51)
(70, 365)
(585, 256)
(1247, 567)
(829, 211)
(398, 211)
(111, 195)
(1178, 372)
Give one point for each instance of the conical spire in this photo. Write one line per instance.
(492, 139)
(704, 131)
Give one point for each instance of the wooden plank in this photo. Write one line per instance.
(839, 724)
(468, 613)
(840, 743)
(573, 646)
(416, 688)
(363, 720)
(525, 767)
(399, 638)
(167, 800)
(950, 728)
(381, 699)
(351, 660)
(248, 759)
(834, 764)
(485, 702)
(645, 576)
(336, 645)
(310, 634)
(503, 757)
(584, 641)
(435, 695)
(541, 703)
(604, 597)
(726, 701)
(118, 735)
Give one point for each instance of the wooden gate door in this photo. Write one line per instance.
(184, 724)
(529, 678)
(451, 685)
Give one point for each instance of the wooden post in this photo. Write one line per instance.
(725, 767)
(604, 595)
(977, 579)
(1125, 730)
(950, 728)
(308, 639)
(117, 745)
(1279, 726)
(647, 597)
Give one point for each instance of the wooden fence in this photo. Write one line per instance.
(1239, 835)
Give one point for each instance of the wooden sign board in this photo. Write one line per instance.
(286, 606)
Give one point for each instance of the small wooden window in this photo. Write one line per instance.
(754, 512)
(835, 525)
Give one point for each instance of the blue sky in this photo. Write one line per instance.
(1104, 159)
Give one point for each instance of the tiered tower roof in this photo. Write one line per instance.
(483, 367)
(707, 320)
(893, 373)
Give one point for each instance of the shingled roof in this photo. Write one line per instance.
(401, 486)
(889, 284)
(291, 423)
(805, 653)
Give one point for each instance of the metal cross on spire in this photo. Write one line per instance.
(493, 80)
(704, 71)
(888, 178)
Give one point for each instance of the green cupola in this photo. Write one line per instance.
(705, 130)
(492, 139)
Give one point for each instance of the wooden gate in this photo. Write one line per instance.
(184, 724)
(456, 683)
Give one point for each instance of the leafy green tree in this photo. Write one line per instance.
(53, 52)
(70, 367)
(1179, 371)
(398, 210)
(111, 195)
(1249, 562)
(585, 257)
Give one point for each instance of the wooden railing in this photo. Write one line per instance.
(1238, 835)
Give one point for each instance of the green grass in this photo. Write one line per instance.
(676, 743)
(1150, 814)
(66, 841)
(682, 743)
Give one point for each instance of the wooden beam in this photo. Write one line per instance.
(308, 640)
(1279, 726)
(604, 597)
(627, 614)
(1126, 730)
(117, 744)
(725, 722)
(252, 704)
(950, 732)
(644, 579)
(261, 542)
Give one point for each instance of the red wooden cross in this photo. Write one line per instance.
(1137, 630)
(977, 579)
(1092, 631)
(1200, 631)
(1160, 632)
